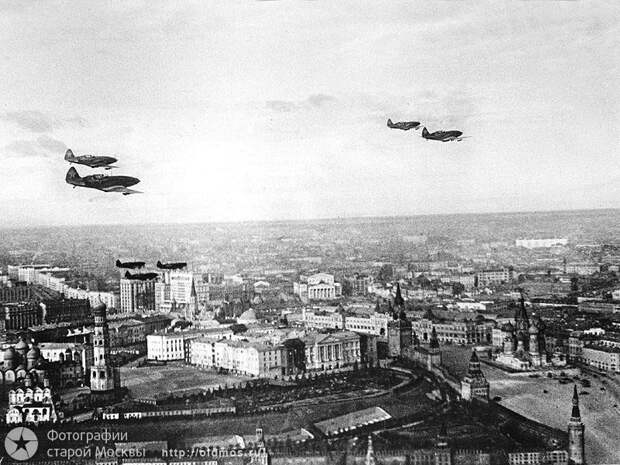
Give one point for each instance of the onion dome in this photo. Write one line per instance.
(99, 310)
(9, 354)
(34, 353)
(533, 329)
(21, 345)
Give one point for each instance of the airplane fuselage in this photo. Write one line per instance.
(92, 161)
(104, 182)
(443, 136)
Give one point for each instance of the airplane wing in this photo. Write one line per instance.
(121, 189)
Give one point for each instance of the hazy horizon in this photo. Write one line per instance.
(325, 219)
(271, 111)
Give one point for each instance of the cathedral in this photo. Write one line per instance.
(524, 342)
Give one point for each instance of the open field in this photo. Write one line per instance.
(526, 396)
(149, 381)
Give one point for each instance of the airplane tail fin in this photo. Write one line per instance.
(158, 264)
(390, 124)
(425, 132)
(128, 275)
(68, 154)
(72, 176)
(118, 263)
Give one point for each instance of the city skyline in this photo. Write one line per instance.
(253, 112)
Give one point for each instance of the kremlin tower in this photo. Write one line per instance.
(576, 449)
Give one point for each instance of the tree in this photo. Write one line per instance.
(457, 288)
(347, 288)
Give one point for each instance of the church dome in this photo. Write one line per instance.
(508, 327)
(533, 329)
(9, 354)
(21, 345)
(99, 309)
(248, 315)
(34, 353)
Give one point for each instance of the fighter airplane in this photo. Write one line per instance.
(131, 265)
(404, 125)
(141, 276)
(443, 136)
(102, 182)
(171, 266)
(90, 160)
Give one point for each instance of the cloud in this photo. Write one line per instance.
(319, 99)
(78, 121)
(24, 147)
(281, 106)
(33, 121)
(51, 144)
(285, 106)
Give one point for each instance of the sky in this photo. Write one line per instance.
(269, 110)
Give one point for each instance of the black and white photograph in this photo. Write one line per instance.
(310, 232)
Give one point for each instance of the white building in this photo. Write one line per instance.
(181, 283)
(332, 351)
(541, 243)
(137, 295)
(165, 346)
(488, 277)
(31, 404)
(320, 286)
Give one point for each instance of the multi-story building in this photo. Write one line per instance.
(15, 293)
(63, 351)
(94, 297)
(173, 345)
(324, 319)
(360, 283)
(137, 295)
(375, 324)
(241, 357)
(541, 243)
(599, 307)
(366, 323)
(320, 286)
(601, 356)
(165, 346)
(493, 277)
(60, 310)
(454, 331)
(21, 315)
(332, 351)
(583, 269)
(126, 332)
(181, 286)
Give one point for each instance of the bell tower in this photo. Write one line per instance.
(102, 375)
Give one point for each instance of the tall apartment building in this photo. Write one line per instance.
(137, 295)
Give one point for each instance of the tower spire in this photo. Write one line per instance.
(575, 414)
(398, 300)
(576, 429)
